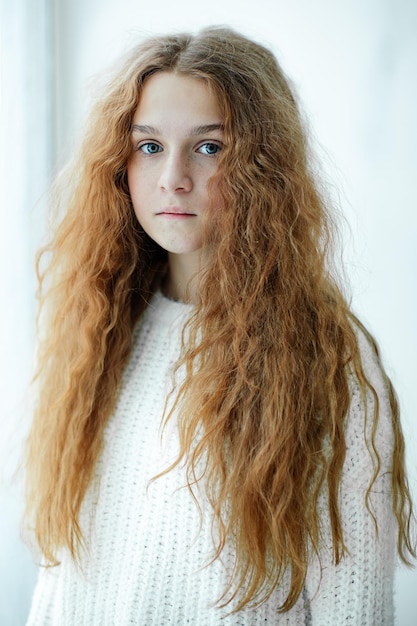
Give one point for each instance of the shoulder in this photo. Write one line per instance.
(370, 359)
(369, 428)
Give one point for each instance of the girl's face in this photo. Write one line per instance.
(177, 137)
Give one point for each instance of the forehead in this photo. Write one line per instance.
(168, 95)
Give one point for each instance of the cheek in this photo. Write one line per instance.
(137, 189)
(135, 196)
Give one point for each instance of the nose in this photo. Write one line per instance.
(175, 174)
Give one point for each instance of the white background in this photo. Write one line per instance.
(354, 65)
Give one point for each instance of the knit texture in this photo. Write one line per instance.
(148, 557)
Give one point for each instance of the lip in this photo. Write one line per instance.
(175, 212)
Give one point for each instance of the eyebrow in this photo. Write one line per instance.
(193, 132)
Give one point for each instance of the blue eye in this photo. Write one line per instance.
(211, 149)
(150, 148)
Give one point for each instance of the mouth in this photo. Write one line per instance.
(175, 212)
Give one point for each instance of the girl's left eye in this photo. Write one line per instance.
(150, 148)
(209, 148)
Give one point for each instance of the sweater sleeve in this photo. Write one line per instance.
(44, 598)
(359, 590)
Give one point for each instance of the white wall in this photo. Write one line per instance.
(355, 66)
(26, 145)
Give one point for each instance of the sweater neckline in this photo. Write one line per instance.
(166, 310)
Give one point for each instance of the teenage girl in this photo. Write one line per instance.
(215, 440)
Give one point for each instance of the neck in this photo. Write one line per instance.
(182, 280)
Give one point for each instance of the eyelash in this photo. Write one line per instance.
(142, 148)
(211, 144)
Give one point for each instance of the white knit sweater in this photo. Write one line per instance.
(147, 562)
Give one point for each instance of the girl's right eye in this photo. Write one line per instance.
(149, 148)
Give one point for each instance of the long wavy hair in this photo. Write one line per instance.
(269, 346)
